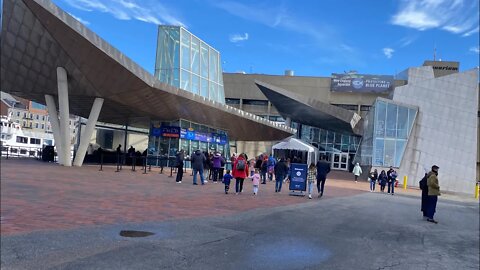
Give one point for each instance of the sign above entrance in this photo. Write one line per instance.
(361, 83)
(166, 131)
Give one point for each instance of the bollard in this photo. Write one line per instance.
(477, 190)
(7, 151)
(171, 172)
(405, 178)
(101, 161)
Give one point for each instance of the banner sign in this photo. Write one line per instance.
(361, 83)
(298, 177)
(166, 131)
(193, 135)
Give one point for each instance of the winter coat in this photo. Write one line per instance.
(281, 169)
(373, 176)
(217, 161)
(198, 159)
(357, 170)
(323, 168)
(179, 159)
(240, 174)
(382, 179)
(433, 187)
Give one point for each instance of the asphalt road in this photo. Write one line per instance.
(366, 231)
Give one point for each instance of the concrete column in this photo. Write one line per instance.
(62, 84)
(87, 134)
(52, 112)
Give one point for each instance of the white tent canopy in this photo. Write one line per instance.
(298, 145)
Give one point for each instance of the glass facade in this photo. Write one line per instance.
(387, 129)
(186, 62)
(193, 136)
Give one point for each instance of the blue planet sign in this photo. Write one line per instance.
(361, 83)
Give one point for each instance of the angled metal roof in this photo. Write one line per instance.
(37, 36)
(310, 111)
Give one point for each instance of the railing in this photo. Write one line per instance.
(21, 151)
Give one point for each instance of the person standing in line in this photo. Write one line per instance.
(433, 193)
(271, 165)
(240, 172)
(255, 182)
(198, 159)
(226, 181)
(357, 171)
(382, 180)
(424, 188)
(179, 158)
(311, 177)
(217, 161)
(281, 171)
(373, 179)
(206, 166)
(323, 168)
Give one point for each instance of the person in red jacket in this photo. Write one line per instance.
(240, 172)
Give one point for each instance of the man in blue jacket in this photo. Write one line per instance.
(323, 168)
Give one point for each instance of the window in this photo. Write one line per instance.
(18, 114)
(43, 117)
(24, 124)
(37, 116)
(21, 139)
(234, 101)
(25, 115)
(36, 125)
(34, 141)
(351, 107)
(43, 126)
(255, 102)
(365, 108)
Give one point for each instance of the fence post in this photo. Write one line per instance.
(118, 162)
(144, 165)
(405, 178)
(477, 190)
(134, 161)
(8, 148)
(101, 161)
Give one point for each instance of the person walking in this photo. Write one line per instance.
(255, 182)
(251, 166)
(179, 158)
(281, 171)
(382, 180)
(240, 172)
(217, 161)
(433, 193)
(226, 181)
(311, 177)
(264, 170)
(357, 171)
(198, 159)
(271, 164)
(323, 168)
(373, 179)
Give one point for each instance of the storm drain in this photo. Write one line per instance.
(135, 233)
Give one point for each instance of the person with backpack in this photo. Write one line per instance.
(240, 172)
(424, 188)
(433, 193)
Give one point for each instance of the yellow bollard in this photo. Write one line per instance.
(405, 182)
(477, 190)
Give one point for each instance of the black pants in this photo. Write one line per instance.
(227, 187)
(431, 206)
(239, 184)
(215, 173)
(179, 173)
(321, 184)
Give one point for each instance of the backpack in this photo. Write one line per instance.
(423, 183)
(240, 165)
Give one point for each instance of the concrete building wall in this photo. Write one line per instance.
(446, 127)
(253, 148)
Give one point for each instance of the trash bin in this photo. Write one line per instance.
(48, 153)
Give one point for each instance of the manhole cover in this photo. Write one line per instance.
(135, 233)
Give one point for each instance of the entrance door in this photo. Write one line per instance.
(340, 161)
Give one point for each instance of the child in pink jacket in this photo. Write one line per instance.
(256, 181)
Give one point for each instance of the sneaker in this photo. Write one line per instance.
(319, 195)
(206, 181)
(309, 196)
(195, 184)
(432, 220)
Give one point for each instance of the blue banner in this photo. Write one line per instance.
(298, 177)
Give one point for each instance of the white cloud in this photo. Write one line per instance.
(149, 11)
(475, 49)
(388, 52)
(471, 32)
(238, 37)
(79, 19)
(455, 16)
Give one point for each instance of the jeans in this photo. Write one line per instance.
(392, 184)
(372, 185)
(239, 184)
(179, 173)
(195, 176)
(278, 185)
(263, 176)
(255, 189)
(310, 187)
(321, 184)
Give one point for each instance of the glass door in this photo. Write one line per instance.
(340, 161)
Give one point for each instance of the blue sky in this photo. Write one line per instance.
(313, 38)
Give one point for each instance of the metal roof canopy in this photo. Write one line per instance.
(37, 36)
(312, 112)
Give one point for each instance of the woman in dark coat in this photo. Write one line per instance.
(382, 180)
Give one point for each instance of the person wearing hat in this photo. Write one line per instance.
(433, 193)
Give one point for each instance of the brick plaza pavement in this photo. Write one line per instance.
(44, 196)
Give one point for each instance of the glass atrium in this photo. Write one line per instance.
(186, 62)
